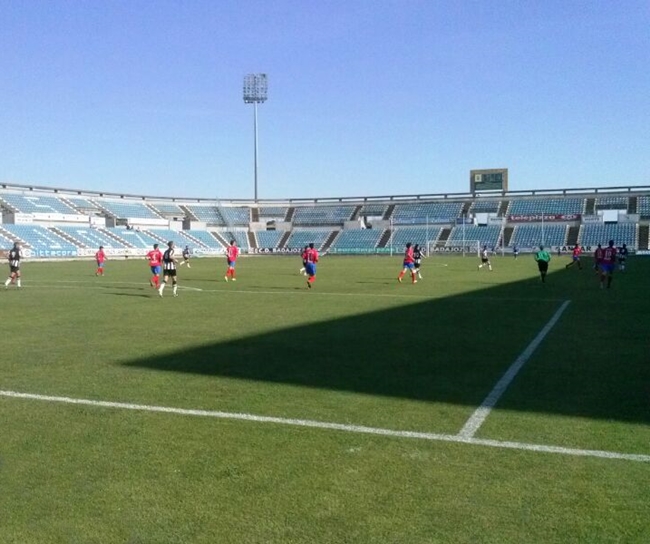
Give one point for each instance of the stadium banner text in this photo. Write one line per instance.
(538, 218)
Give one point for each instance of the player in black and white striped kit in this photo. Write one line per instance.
(14, 266)
(169, 269)
(417, 256)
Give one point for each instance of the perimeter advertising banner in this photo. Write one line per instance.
(546, 218)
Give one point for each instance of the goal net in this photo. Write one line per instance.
(454, 247)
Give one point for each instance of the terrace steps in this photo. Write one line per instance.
(290, 213)
(330, 240)
(643, 240)
(507, 235)
(119, 240)
(255, 215)
(68, 238)
(355, 213)
(389, 212)
(252, 241)
(444, 234)
(573, 235)
(466, 206)
(285, 238)
(385, 237)
(188, 214)
(632, 205)
(590, 206)
(503, 208)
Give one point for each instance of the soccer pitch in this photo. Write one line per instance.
(473, 406)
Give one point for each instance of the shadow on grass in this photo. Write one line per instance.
(454, 350)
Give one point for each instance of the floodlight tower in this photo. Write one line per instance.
(255, 92)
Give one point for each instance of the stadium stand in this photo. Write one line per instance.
(429, 212)
(235, 216)
(5, 243)
(134, 238)
(37, 204)
(643, 206)
(274, 212)
(82, 205)
(529, 236)
(373, 210)
(322, 215)
(128, 210)
(600, 233)
(485, 206)
(362, 240)
(415, 235)
(207, 239)
(180, 237)
(168, 209)
(300, 238)
(40, 239)
(547, 205)
(92, 238)
(487, 235)
(206, 214)
(612, 203)
(240, 237)
(269, 238)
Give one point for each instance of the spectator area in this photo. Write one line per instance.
(322, 215)
(40, 238)
(593, 234)
(357, 239)
(547, 206)
(415, 235)
(92, 238)
(487, 235)
(428, 212)
(525, 236)
(301, 238)
(37, 204)
(269, 238)
(128, 210)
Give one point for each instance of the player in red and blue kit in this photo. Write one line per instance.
(575, 257)
(607, 264)
(100, 257)
(598, 259)
(231, 255)
(409, 264)
(155, 263)
(311, 258)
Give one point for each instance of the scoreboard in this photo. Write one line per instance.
(494, 179)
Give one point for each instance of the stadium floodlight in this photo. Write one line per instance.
(255, 92)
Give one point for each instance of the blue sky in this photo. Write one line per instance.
(365, 97)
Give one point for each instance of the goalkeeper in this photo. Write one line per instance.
(542, 257)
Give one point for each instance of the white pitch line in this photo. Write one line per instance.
(361, 429)
(483, 411)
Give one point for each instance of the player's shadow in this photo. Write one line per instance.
(455, 349)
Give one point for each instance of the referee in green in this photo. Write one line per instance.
(543, 258)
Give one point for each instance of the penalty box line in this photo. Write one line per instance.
(483, 411)
(359, 429)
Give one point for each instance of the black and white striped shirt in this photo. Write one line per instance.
(14, 258)
(168, 260)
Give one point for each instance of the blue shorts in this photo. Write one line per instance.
(100, 265)
(310, 268)
(231, 264)
(607, 268)
(576, 258)
(410, 266)
(155, 269)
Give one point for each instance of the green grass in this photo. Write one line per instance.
(358, 349)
